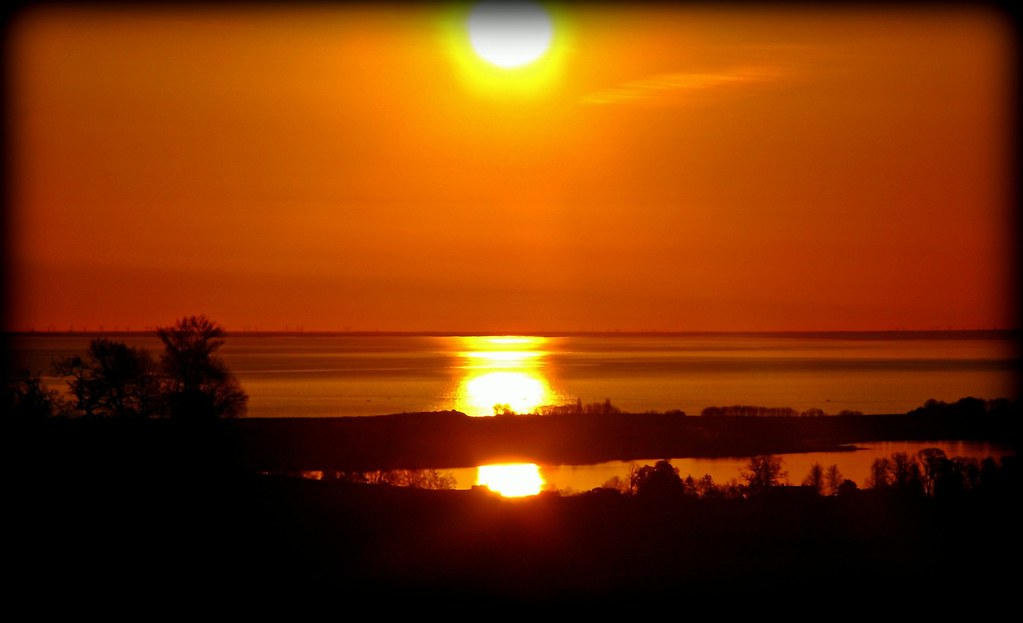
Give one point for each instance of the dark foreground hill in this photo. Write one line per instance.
(155, 516)
(159, 542)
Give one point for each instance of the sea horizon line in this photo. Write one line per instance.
(851, 333)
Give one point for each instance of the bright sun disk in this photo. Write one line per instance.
(509, 34)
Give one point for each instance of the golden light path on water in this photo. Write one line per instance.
(511, 480)
(503, 373)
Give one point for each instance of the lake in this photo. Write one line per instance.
(854, 465)
(324, 375)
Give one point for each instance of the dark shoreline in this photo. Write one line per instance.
(449, 439)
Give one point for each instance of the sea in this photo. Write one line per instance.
(366, 374)
(362, 374)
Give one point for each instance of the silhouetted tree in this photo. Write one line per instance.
(424, 479)
(562, 409)
(880, 474)
(763, 472)
(617, 483)
(815, 478)
(602, 408)
(990, 474)
(705, 487)
(906, 473)
(199, 385)
(113, 379)
(935, 470)
(414, 478)
(660, 479)
(26, 397)
(965, 473)
(834, 479)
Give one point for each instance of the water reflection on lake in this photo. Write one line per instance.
(511, 480)
(854, 465)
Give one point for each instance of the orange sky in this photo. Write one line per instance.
(660, 169)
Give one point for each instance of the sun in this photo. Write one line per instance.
(508, 51)
(510, 34)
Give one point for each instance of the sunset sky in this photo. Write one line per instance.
(664, 168)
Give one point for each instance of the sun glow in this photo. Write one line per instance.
(511, 480)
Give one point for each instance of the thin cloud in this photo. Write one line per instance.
(668, 87)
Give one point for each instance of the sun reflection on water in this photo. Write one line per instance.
(503, 373)
(511, 480)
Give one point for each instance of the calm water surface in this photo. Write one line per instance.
(854, 465)
(353, 375)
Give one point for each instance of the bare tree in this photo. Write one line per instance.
(906, 473)
(199, 385)
(815, 478)
(113, 379)
(936, 470)
(880, 474)
(833, 477)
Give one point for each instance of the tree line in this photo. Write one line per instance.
(758, 411)
(433, 479)
(115, 380)
(929, 473)
(969, 407)
(964, 407)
